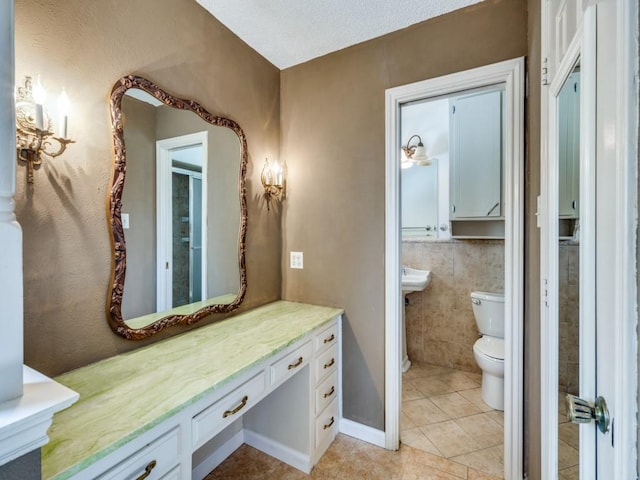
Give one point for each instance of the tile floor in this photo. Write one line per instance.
(347, 459)
(448, 433)
(443, 414)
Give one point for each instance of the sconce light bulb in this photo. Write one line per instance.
(63, 103)
(39, 93)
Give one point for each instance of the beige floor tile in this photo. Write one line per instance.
(570, 434)
(416, 439)
(431, 386)
(571, 473)
(488, 461)
(483, 429)
(567, 455)
(459, 381)
(497, 416)
(475, 396)
(423, 412)
(415, 471)
(420, 370)
(405, 422)
(476, 377)
(478, 475)
(246, 463)
(455, 405)
(410, 392)
(450, 439)
(439, 463)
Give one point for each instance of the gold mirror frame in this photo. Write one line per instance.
(114, 210)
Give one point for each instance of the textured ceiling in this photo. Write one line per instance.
(289, 32)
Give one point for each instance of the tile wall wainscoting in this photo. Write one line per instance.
(568, 316)
(441, 328)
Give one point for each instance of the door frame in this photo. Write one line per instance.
(163, 211)
(616, 73)
(511, 73)
(581, 49)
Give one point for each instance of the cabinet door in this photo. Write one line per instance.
(569, 147)
(476, 154)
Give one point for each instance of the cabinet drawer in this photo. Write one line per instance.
(214, 418)
(157, 458)
(327, 424)
(326, 363)
(326, 392)
(326, 338)
(173, 474)
(291, 363)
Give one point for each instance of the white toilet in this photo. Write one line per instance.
(488, 310)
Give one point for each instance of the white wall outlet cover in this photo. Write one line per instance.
(125, 220)
(296, 260)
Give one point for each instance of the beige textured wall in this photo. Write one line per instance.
(333, 121)
(85, 46)
(441, 327)
(569, 317)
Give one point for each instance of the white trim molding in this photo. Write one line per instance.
(11, 294)
(24, 421)
(511, 74)
(362, 432)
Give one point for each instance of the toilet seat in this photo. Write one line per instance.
(491, 347)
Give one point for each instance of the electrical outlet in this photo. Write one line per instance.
(296, 260)
(125, 220)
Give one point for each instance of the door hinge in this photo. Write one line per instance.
(453, 109)
(545, 71)
(546, 293)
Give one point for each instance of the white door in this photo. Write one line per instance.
(588, 269)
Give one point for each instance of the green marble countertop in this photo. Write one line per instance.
(124, 396)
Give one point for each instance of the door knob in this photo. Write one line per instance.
(582, 411)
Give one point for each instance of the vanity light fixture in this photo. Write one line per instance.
(272, 178)
(34, 129)
(414, 154)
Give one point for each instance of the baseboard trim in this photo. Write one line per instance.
(362, 432)
(277, 450)
(220, 455)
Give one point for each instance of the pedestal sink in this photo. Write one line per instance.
(413, 280)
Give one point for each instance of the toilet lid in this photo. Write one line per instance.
(490, 346)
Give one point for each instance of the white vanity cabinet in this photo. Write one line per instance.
(476, 171)
(269, 378)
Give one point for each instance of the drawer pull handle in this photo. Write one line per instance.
(237, 409)
(330, 364)
(297, 364)
(330, 339)
(328, 425)
(330, 392)
(147, 470)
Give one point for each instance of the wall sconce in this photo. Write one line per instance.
(414, 154)
(272, 178)
(34, 133)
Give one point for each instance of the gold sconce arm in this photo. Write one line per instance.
(34, 136)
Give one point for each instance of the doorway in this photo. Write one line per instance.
(511, 75)
(181, 197)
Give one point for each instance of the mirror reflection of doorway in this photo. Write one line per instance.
(181, 236)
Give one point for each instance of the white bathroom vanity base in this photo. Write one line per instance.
(269, 378)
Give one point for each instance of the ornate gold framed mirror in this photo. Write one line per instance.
(178, 228)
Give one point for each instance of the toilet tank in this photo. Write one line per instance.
(488, 310)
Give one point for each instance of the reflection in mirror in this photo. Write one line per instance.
(568, 108)
(179, 220)
(425, 189)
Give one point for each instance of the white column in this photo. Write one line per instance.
(11, 297)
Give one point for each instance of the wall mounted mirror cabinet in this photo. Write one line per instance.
(460, 194)
(178, 217)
